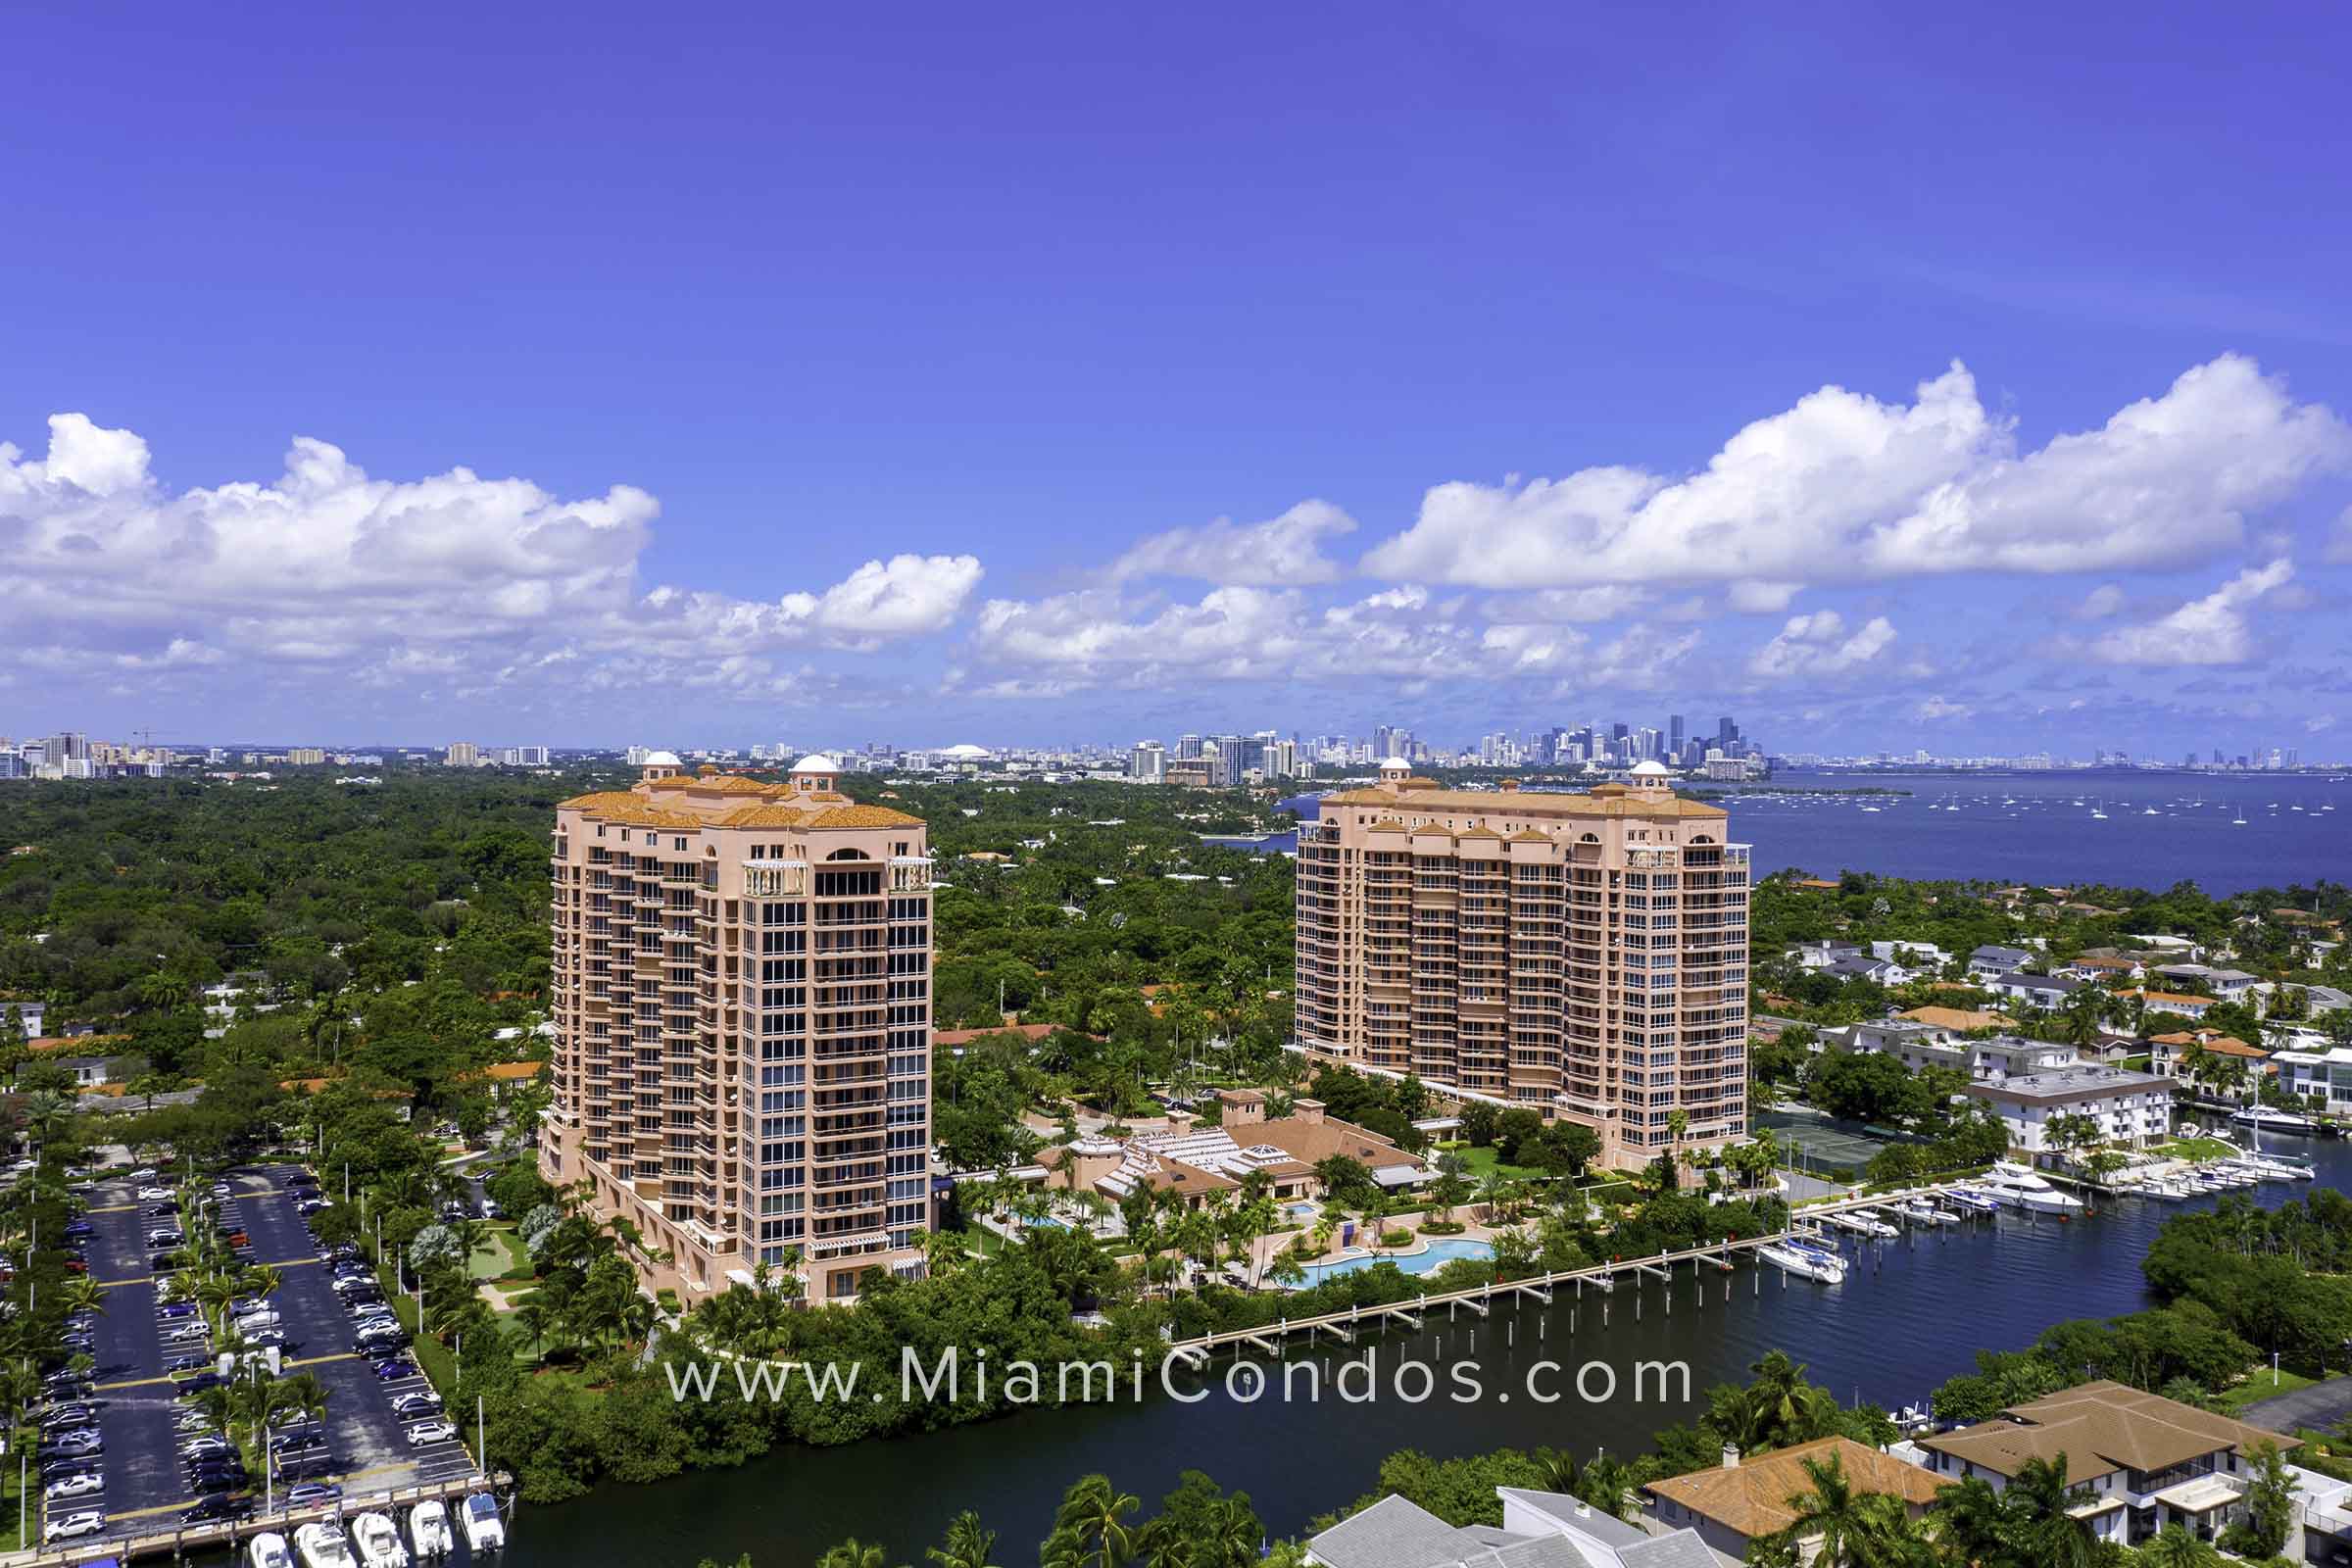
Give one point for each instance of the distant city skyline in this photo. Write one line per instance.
(975, 391)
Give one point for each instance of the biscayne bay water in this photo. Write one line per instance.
(1911, 1313)
(2157, 828)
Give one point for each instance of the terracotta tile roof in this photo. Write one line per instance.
(843, 817)
(1751, 1498)
(2218, 1044)
(1957, 1017)
(764, 816)
(2159, 998)
(1310, 1142)
(1028, 1031)
(1532, 804)
(629, 807)
(717, 784)
(1189, 1179)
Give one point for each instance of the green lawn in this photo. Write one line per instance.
(2196, 1148)
(499, 1256)
(1477, 1163)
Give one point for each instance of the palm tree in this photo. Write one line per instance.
(1094, 1516)
(2042, 1528)
(853, 1554)
(1969, 1522)
(1851, 1529)
(308, 1394)
(966, 1544)
(262, 1280)
(82, 1293)
(2175, 1547)
(533, 1319)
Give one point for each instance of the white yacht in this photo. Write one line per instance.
(378, 1541)
(1919, 1212)
(478, 1517)
(2020, 1188)
(1826, 1267)
(2266, 1118)
(321, 1545)
(428, 1528)
(267, 1550)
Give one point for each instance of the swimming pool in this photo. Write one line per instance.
(1433, 1257)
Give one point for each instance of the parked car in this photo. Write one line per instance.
(417, 1404)
(310, 1496)
(421, 1432)
(81, 1522)
(177, 1311)
(217, 1509)
(81, 1483)
(149, 1195)
(394, 1370)
(202, 1381)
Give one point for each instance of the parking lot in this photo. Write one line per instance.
(367, 1448)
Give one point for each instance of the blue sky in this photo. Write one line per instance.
(1077, 374)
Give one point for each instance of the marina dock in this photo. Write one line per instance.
(1805, 1224)
(149, 1540)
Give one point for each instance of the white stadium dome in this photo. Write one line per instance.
(662, 759)
(964, 749)
(1650, 770)
(816, 762)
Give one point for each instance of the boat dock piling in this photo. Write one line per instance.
(1723, 1257)
(170, 1538)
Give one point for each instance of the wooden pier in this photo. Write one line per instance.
(1721, 1256)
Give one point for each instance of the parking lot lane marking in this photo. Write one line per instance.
(293, 1262)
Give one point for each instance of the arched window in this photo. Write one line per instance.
(849, 855)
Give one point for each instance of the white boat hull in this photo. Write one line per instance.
(1807, 1265)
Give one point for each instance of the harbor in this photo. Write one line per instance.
(1912, 1309)
(429, 1522)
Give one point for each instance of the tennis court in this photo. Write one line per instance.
(1809, 1146)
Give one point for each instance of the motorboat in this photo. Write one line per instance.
(478, 1518)
(321, 1545)
(1919, 1212)
(2017, 1187)
(377, 1541)
(428, 1528)
(1804, 1262)
(1859, 1223)
(267, 1550)
(2268, 1118)
(1974, 1202)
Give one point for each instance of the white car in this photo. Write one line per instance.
(79, 1485)
(421, 1432)
(81, 1522)
(155, 1194)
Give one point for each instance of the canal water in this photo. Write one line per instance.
(1910, 1315)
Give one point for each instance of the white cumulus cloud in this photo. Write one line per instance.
(389, 581)
(1281, 552)
(1843, 487)
(1817, 646)
(2212, 630)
